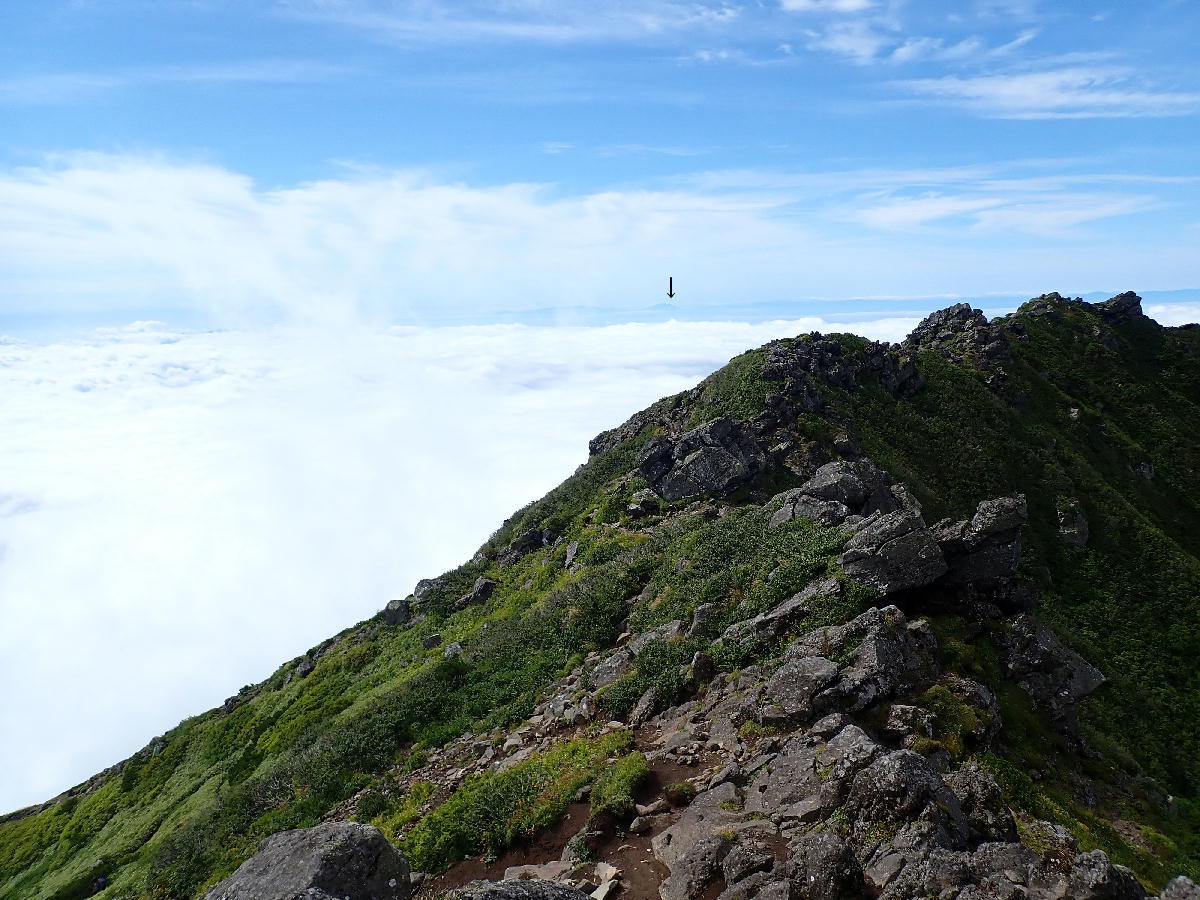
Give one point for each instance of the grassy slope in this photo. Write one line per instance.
(189, 808)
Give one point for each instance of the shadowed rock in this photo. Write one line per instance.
(894, 552)
(337, 861)
(712, 458)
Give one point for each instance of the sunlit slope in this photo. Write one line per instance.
(1082, 407)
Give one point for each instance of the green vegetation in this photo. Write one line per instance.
(489, 811)
(1102, 415)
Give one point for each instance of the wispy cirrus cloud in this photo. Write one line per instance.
(139, 232)
(1072, 92)
(62, 87)
(521, 20)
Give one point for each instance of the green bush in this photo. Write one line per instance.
(614, 789)
(490, 811)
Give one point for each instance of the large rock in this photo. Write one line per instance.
(336, 861)
(1055, 676)
(823, 868)
(478, 595)
(1181, 888)
(988, 546)
(785, 618)
(894, 552)
(519, 889)
(1122, 308)
(522, 545)
(715, 457)
(878, 654)
(620, 663)
(959, 332)
(836, 491)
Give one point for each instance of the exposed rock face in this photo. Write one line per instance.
(396, 612)
(715, 457)
(1181, 888)
(337, 861)
(519, 889)
(1073, 524)
(986, 548)
(894, 552)
(1054, 676)
(523, 544)
(805, 362)
(960, 332)
(1122, 308)
(839, 490)
(478, 595)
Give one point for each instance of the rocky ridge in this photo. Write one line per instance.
(811, 756)
(827, 772)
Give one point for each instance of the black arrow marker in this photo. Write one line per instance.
(670, 286)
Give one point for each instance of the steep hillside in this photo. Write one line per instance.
(1007, 513)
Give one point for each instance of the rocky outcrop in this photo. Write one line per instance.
(959, 332)
(894, 552)
(840, 491)
(713, 458)
(988, 546)
(522, 545)
(478, 595)
(337, 861)
(516, 889)
(1055, 676)
(1073, 524)
(804, 363)
(1122, 308)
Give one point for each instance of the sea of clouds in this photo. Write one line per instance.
(181, 512)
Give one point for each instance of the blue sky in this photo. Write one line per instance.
(204, 160)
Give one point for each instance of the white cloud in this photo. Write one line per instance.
(858, 40)
(151, 235)
(1174, 313)
(65, 87)
(826, 6)
(1073, 92)
(180, 513)
(1031, 212)
(534, 21)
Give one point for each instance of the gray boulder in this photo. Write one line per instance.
(1094, 876)
(789, 694)
(336, 861)
(620, 663)
(428, 589)
(1122, 308)
(1181, 888)
(1055, 677)
(823, 868)
(901, 789)
(396, 612)
(838, 490)
(478, 595)
(982, 801)
(894, 552)
(878, 654)
(784, 618)
(517, 889)
(713, 458)
(986, 548)
(1073, 524)
(522, 545)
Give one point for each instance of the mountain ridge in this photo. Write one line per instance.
(996, 398)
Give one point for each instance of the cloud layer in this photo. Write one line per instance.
(181, 513)
(126, 232)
